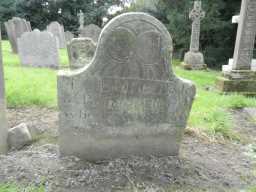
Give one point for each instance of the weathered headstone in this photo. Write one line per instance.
(3, 122)
(69, 36)
(38, 49)
(80, 52)
(195, 59)
(81, 19)
(127, 101)
(91, 31)
(15, 28)
(239, 75)
(58, 31)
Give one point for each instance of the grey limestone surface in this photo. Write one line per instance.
(91, 31)
(69, 36)
(194, 58)
(19, 136)
(15, 28)
(58, 31)
(38, 49)
(80, 51)
(3, 122)
(246, 34)
(127, 101)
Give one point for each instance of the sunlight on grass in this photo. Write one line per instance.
(15, 188)
(210, 112)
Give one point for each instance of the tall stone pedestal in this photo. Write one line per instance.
(238, 81)
(194, 61)
(239, 75)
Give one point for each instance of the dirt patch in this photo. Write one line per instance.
(201, 166)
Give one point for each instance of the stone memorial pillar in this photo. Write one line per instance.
(3, 122)
(195, 59)
(239, 76)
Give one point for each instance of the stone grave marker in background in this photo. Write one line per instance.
(81, 19)
(3, 121)
(58, 31)
(80, 52)
(239, 76)
(69, 36)
(38, 49)
(15, 28)
(195, 59)
(91, 31)
(228, 68)
(127, 101)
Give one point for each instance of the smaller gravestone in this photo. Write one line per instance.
(38, 49)
(81, 19)
(127, 101)
(91, 31)
(240, 75)
(58, 31)
(15, 28)
(69, 36)
(80, 52)
(3, 121)
(195, 59)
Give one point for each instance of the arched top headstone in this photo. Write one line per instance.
(80, 52)
(58, 31)
(15, 28)
(90, 31)
(134, 46)
(127, 101)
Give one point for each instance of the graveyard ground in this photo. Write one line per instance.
(218, 152)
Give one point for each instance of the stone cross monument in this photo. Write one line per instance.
(194, 59)
(81, 19)
(239, 75)
(3, 122)
(196, 15)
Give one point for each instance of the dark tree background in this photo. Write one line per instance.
(217, 32)
(41, 12)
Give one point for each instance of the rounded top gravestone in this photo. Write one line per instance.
(90, 31)
(127, 101)
(80, 52)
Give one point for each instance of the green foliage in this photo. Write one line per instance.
(217, 32)
(41, 12)
(16, 188)
(210, 111)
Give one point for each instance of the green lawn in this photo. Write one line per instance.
(16, 188)
(32, 86)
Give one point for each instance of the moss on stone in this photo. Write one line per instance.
(245, 87)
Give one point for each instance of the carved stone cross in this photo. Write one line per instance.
(196, 15)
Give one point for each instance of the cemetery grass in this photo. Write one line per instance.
(15, 188)
(210, 113)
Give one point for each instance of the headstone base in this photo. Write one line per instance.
(194, 61)
(96, 146)
(241, 82)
